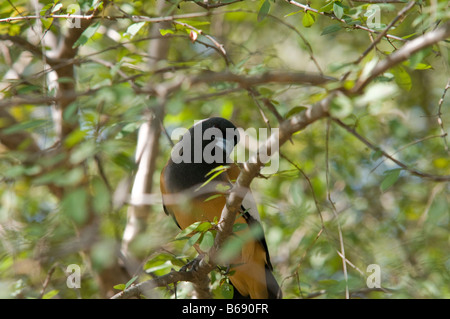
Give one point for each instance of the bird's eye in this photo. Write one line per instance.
(213, 138)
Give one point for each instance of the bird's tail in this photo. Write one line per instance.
(273, 289)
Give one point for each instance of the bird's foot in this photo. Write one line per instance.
(193, 264)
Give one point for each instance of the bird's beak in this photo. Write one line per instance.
(226, 145)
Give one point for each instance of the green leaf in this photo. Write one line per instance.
(28, 89)
(53, 176)
(418, 66)
(133, 29)
(203, 227)
(308, 19)
(338, 9)
(207, 241)
(14, 171)
(24, 126)
(266, 92)
(166, 31)
(341, 106)
(70, 113)
(233, 245)
(130, 282)
(162, 263)
(82, 152)
(263, 11)
(376, 155)
(72, 177)
(74, 138)
(402, 78)
(331, 28)
(86, 35)
(391, 176)
(230, 249)
(418, 57)
(415, 61)
(438, 213)
(295, 110)
(102, 202)
(188, 230)
(193, 23)
(409, 35)
(159, 268)
(74, 205)
(293, 13)
(222, 188)
(50, 294)
(327, 7)
(216, 172)
(239, 226)
(119, 287)
(124, 161)
(66, 79)
(220, 169)
(57, 7)
(226, 290)
(194, 239)
(96, 4)
(213, 197)
(45, 8)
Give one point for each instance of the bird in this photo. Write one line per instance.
(205, 148)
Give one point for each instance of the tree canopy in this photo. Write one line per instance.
(91, 92)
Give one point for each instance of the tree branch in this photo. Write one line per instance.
(66, 89)
(15, 140)
(134, 18)
(385, 31)
(218, 45)
(234, 200)
(403, 53)
(28, 47)
(267, 77)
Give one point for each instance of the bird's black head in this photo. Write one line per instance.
(209, 141)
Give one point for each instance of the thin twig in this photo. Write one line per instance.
(439, 118)
(17, 40)
(380, 1)
(208, 6)
(216, 43)
(302, 37)
(403, 53)
(406, 146)
(332, 16)
(296, 273)
(436, 178)
(47, 280)
(385, 31)
(333, 209)
(254, 95)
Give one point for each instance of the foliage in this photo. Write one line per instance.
(64, 199)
